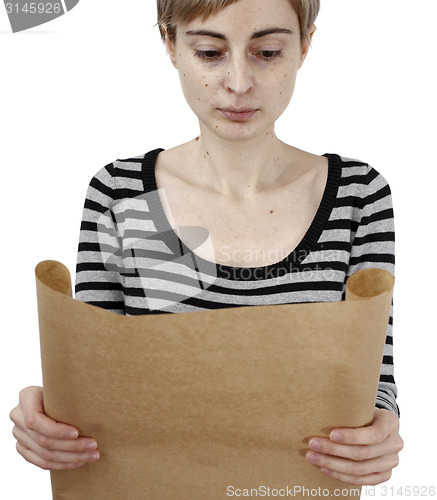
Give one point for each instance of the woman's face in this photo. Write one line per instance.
(238, 68)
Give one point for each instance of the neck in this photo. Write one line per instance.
(240, 169)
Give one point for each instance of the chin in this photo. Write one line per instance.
(236, 134)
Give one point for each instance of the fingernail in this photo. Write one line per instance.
(73, 435)
(335, 436)
(314, 444)
(92, 445)
(94, 456)
(312, 457)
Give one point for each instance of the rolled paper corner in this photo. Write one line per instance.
(369, 283)
(54, 275)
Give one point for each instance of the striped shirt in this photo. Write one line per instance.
(130, 260)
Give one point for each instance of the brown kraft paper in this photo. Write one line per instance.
(207, 405)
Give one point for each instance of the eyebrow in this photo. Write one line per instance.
(258, 34)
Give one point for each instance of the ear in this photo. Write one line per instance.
(306, 46)
(169, 45)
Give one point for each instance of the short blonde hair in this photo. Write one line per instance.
(172, 12)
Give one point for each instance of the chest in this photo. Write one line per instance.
(246, 234)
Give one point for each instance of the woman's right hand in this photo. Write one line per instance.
(44, 442)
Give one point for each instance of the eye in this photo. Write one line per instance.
(208, 55)
(215, 55)
(269, 55)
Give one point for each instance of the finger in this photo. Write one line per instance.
(33, 417)
(80, 445)
(34, 459)
(351, 467)
(370, 480)
(24, 442)
(384, 423)
(356, 452)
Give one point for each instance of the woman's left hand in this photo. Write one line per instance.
(361, 456)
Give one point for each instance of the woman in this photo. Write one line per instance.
(245, 218)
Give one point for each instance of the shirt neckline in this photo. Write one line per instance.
(290, 262)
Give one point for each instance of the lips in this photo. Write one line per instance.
(238, 114)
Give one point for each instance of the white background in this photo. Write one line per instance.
(95, 85)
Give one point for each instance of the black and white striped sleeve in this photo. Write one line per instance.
(99, 260)
(374, 246)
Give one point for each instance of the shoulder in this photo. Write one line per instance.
(120, 178)
(360, 173)
(360, 183)
(119, 169)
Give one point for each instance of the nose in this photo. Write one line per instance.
(239, 77)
